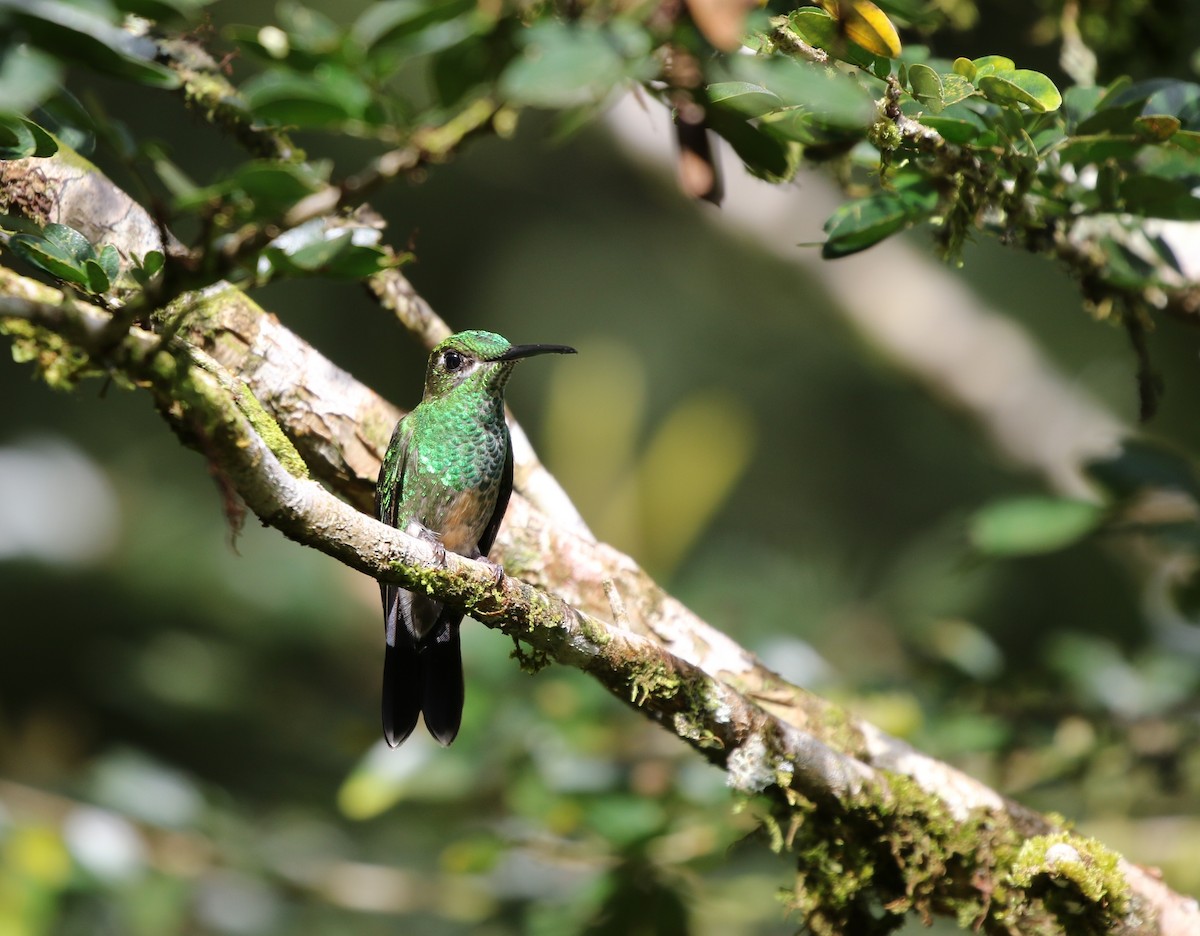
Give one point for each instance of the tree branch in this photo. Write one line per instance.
(822, 772)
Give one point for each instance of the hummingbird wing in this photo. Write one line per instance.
(441, 654)
(401, 660)
(502, 497)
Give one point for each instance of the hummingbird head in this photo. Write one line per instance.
(479, 360)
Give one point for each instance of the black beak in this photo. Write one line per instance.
(529, 350)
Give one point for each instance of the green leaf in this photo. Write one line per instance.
(21, 138)
(1155, 197)
(743, 97)
(826, 103)
(49, 257)
(81, 33)
(460, 69)
(1080, 102)
(1081, 151)
(960, 126)
(565, 65)
(1188, 140)
(964, 67)
(819, 29)
(145, 271)
(860, 224)
(163, 10)
(309, 29)
(16, 139)
(956, 88)
(153, 262)
(97, 277)
(764, 153)
(416, 26)
(326, 98)
(1025, 526)
(1033, 89)
(926, 85)
(110, 262)
(1141, 465)
(69, 241)
(1156, 128)
(990, 65)
(314, 248)
(27, 76)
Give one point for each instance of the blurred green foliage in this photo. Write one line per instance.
(187, 722)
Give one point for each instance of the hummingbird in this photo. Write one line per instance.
(446, 478)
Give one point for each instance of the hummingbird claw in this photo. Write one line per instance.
(495, 568)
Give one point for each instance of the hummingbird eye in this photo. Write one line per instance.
(452, 360)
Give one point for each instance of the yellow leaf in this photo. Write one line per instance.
(865, 24)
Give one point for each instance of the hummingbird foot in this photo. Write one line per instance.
(494, 567)
(422, 532)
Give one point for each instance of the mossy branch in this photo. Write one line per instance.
(871, 821)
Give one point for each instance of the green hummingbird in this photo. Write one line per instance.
(446, 477)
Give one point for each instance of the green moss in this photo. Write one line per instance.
(58, 362)
(531, 661)
(894, 849)
(652, 679)
(595, 633)
(690, 727)
(1077, 878)
(884, 135)
(268, 430)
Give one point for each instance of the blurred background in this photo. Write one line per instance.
(189, 738)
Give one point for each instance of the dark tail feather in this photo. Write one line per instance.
(442, 682)
(401, 693)
(401, 677)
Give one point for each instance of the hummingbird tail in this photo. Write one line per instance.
(442, 682)
(401, 679)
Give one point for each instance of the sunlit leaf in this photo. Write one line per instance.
(865, 24)
(69, 241)
(110, 262)
(955, 88)
(314, 248)
(989, 65)
(926, 85)
(1033, 89)
(1031, 525)
(823, 31)
(50, 257)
